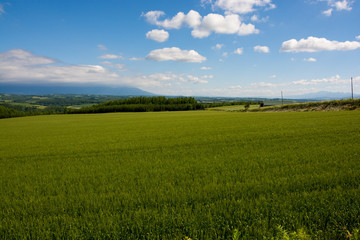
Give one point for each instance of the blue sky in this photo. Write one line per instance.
(239, 48)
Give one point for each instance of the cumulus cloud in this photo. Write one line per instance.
(310, 59)
(158, 35)
(341, 5)
(175, 54)
(111, 56)
(243, 6)
(229, 24)
(272, 76)
(102, 47)
(239, 51)
(192, 19)
(153, 16)
(357, 37)
(261, 49)
(344, 5)
(314, 44)
(203, 26)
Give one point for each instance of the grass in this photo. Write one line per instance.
(172, 175)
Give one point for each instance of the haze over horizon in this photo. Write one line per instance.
(230, 48)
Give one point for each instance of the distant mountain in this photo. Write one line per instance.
(78, 89)
(323, 95)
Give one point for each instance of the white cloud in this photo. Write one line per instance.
(243, 6)
(255, 18)
(102, 47)
(203, 26)
(344, 5)
(272, 76)
(236, 87)
(192, 19)
(218, 46)
(176, 22)
(239, 51)
(328, 12)
(261, 49)
(207, 76)
(229, 24)
(314, 44)
(196, 80)
(205, 68)
(22, 57)
(310, 59)
(217, 23)
(334, 83)
(136, 59)
(357, 37)
(118, 66)
(111, 56)
(175, 54)
(158, 35)
(20, 66)
(332, 80)
(153, 16)
(225, 54)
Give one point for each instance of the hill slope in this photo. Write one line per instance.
(335, 105)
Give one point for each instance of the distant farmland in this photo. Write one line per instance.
(172, 175)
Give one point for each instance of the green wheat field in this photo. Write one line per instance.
(180, 175)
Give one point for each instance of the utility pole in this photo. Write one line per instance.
(352, 89)
(282, 98)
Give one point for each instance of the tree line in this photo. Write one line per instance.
(152, 100)
(143, 104)
(132, 104)
(10, 110)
